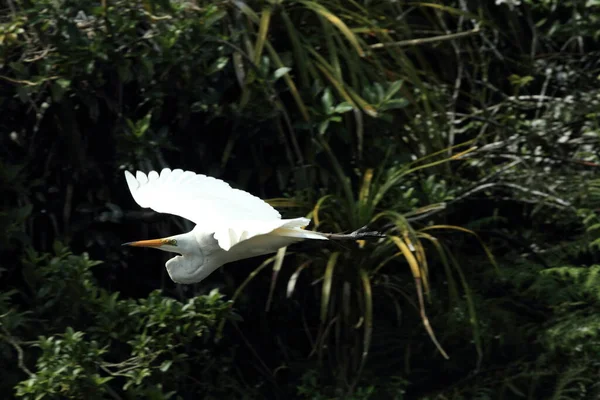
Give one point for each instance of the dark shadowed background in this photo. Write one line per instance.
(466, 131)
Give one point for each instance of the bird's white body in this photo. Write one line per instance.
(231, 224)
(189, 268)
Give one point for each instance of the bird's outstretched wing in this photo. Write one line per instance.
(232, 214)
(199, 198)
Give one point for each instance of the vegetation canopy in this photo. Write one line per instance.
(466, 132)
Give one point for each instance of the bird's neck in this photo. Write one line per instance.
(210, 247)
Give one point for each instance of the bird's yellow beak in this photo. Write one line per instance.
(152, 243)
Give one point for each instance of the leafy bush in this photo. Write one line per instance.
(91, 343)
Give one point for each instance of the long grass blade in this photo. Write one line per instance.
(327, 281)
(283, 202)
(276, 268)
(448, 9)
(386, 261)
(452, 288)
(263, 30)
(318, 207)
(422, 260)
(425, 210)
(368, 324)
(291, 286)
(352, 62)
(241, 288)
(332, 49)
(247, 11)
(343, 179)
(470, 232)
(364, 204)
(408, 255)
(365, 188)
(416, 271)
(425, 320)
(471, 308)
(337, 84)
(300, 56)
(289, 82)
(445, 151)
(344, 91)
(337, 22)
(395, 177)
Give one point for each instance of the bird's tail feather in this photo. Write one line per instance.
(294, 228)
(298, 233)
(236, 233)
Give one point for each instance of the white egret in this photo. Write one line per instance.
(231, 224)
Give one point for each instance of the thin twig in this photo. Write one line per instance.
(546, 157)
(42, 54)
(26, 82)
(478, 186)
(20, 354)
(433, 39)
(457, 81)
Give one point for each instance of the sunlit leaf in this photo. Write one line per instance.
(294, 278)
(279, 72)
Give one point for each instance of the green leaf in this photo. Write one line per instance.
(143, 125)
(327, 100)
(392, 90)
(217, 66)
(63, 83)
(131, 125)
(323, 126)
(594, 227)
(214, 15)
(327, 281)
(343, 108)
(394, 104)
(279, 72)
(520, 81)
(164, 367)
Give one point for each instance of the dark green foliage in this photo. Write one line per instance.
(548, 321)
(467, 131)
(92, 343)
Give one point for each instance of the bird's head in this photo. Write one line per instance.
(192, 265)
(184, 244)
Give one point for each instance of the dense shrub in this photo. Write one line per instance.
(93, 344)
(468, 132)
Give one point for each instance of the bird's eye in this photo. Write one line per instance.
(171, 242)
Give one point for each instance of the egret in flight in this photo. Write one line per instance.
(231, 224)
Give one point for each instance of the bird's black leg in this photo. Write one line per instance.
(361, 233)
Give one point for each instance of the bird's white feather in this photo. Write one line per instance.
(199, 198)
(229, 236)
(233, 215)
